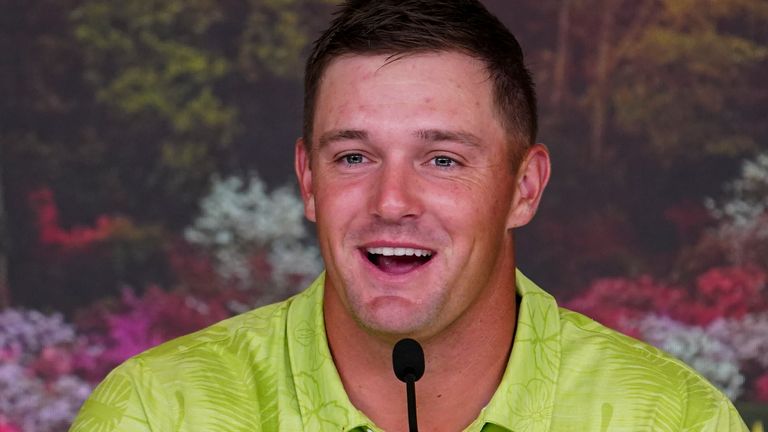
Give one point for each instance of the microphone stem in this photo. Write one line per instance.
(410, 390)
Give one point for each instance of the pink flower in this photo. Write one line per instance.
(139, 323)
(10, 353)
(617, 302)
(7, 426)
(720, 292)
(53, 362)
(761, 388)
(729, 292)
(51, 232)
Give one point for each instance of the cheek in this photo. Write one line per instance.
(460, 205)
(338, 202)
(476, 223)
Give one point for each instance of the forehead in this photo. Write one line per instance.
(431, 86)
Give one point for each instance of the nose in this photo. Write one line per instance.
(396, 193)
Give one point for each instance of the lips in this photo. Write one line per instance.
(398, 260)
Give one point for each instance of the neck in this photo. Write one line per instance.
(464, 364)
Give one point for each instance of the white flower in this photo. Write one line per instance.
(240, 220)
(743, 213)
(747, 195)
(698, 348)
(26, 400)
(747, 336)
(26, 332)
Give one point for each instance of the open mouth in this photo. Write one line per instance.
(398, 260)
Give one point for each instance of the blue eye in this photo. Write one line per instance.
(443, 161)
(353, 159)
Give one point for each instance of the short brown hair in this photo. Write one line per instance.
(400, 27)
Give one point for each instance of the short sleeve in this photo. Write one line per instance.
(728, 419)
(119, 403)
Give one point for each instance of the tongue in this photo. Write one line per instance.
(398, 264)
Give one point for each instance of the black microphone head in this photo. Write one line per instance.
(408, 360)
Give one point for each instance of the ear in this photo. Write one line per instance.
(532, 178)
(304, 175)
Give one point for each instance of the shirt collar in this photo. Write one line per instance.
(523, 401)
(321, 397)
(525, 398)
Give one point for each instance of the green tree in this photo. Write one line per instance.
(645, 104)
(689, 84)
(172, 79)
(129, 107)
(676, 75)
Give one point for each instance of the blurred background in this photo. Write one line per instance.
(146, 180)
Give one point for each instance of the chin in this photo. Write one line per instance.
(394, 316)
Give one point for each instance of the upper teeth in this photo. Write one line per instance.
(390, 251)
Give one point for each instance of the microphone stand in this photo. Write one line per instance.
(408, 364)
(410, 390)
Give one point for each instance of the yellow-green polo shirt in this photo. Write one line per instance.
(270, 369)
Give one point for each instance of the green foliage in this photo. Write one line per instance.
(128, 108)
(680, 103)
(275, 38)
(139, 102)
(169, 79)
(154, 74)
(684, 83)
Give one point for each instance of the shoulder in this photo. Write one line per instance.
(584, 338)
(637, 382)
(258, 328)
(587, 344)
(235, 368)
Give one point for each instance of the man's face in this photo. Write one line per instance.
(410, 184)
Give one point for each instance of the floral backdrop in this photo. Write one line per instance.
(249, 246)
(131, 211)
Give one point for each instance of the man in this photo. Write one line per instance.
(418, 161)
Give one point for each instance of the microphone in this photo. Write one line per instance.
(408, 364)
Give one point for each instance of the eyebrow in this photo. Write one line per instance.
(429, 135)
(437, 135)
(342, 135)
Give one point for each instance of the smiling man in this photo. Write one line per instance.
(409, 174)
(410, 182)
(418, 162)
